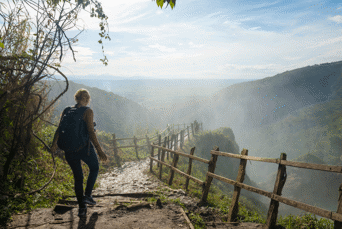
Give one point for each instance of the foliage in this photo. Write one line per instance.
(305, 221)
(172, 3)
(36, 176)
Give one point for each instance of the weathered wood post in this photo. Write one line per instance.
(174, 164)
(278, 187)
(171, 145)
(159, 150)
(176, 142)
(181, 139)
(165, 141)
(234, 207)
(136, 147)
(206, 187)
(116, 156)
(161, 165)
(152, 156)
(192, 151)
(168, 146)
(148, 144)
(337, 224)
(187, 128)
(192, 130)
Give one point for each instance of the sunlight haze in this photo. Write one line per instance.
(206, 39)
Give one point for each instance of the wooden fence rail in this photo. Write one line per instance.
(177, 139)
(328, 168)
(238, 184)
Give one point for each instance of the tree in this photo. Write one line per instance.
(33, 42)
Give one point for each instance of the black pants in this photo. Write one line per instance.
(74, 160)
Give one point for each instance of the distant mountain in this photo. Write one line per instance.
(245, 105)
(112, 113)
(107, 77)
(298, 112)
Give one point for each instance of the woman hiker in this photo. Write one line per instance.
(84, 153)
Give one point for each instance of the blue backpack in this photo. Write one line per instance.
(73, 133)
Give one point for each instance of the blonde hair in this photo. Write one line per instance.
(82, 96)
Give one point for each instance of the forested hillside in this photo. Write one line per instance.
(112, 113)
(245, 105)
(297, 112)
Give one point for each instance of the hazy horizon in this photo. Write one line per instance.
(206, 39)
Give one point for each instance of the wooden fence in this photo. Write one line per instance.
(171, 138)
(275, 196)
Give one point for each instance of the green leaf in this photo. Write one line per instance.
(160, 3)
(2, 45)
(172, 3)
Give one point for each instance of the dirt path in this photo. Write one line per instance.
(129, 210)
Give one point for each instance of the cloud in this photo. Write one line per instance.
(83, 55)
(232, 24)
(250, 67)
(162, 48)
(192, 45)
(337, 19)
(195, 41)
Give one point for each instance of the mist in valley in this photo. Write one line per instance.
(294, 112)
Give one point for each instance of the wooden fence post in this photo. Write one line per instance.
(188, 133)
(168, 146)
(116, 156)
(174, 164)
(181, 139)
(234, 207)
(152, 155)
(171, 145)
(337, 224)
(159, 144)
(136, 147)
(148, 144)
(278, 187)
(165, 140)
(161, 165)
(192, 129)
(192, 151)
(177, 140)
(211, 168)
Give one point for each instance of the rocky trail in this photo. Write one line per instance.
(124, 202)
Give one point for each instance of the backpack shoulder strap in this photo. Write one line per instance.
(66, 109)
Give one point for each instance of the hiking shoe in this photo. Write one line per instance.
(82, 212)
(89, 200)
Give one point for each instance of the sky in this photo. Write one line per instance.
(220, 39)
